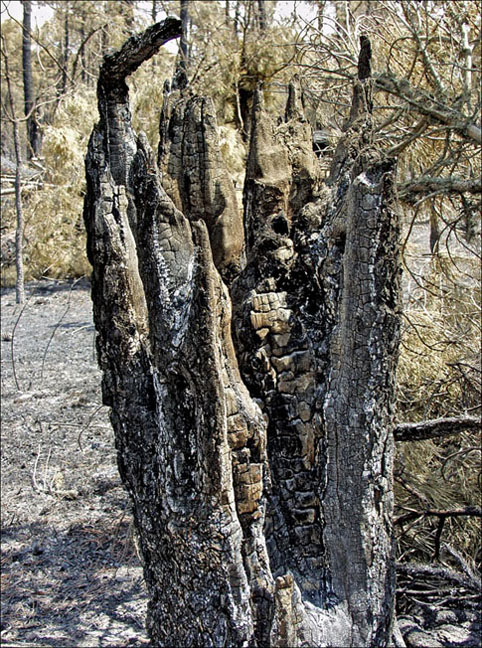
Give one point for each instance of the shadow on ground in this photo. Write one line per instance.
(77, 586)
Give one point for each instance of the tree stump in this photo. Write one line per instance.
(249, 366)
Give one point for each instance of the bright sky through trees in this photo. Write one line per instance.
(13, 8)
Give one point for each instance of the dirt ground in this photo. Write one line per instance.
(70, 573)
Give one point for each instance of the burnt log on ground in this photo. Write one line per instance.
(249, 364)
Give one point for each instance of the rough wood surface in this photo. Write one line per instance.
(252, 415)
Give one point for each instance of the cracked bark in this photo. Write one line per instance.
(249, 366)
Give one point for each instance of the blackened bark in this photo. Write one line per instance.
(191, 164)
(320, 291)
(259, 468)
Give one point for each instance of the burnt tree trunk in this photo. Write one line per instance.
(33, 131)
(249, 366)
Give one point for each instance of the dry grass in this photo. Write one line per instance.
(439, 375)
(54, 235)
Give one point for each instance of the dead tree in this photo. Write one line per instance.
(249, 366)
(12, 116)
(33, 131)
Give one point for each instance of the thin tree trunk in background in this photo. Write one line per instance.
(184, 44)
(259, 466)
(342, 19)
(262, 15)
(33, 134)
(237, 10)
(467, 54)
(66, 49)
(83, 62)
(126, 8)
(19, 283)
(321, 14)
(181, 74)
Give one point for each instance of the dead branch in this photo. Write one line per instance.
(474, 511)
(426, 105)
(424, 572)
(435, 428)
(136, 50)
(428, 185)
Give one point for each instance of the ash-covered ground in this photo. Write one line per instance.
(70, 575)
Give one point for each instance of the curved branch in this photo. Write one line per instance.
(82, 45)
(118, 65)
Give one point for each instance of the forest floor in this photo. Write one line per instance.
(70, 575)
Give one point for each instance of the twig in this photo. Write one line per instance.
(438, 535)
(47, 488)
(126, 541)
(87, 425)
(410, 488)
(34, 474)
(81, 328)
(46, 467)
(12, 350)
(466, 568)
(57, 326)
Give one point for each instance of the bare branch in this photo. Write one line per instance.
(467, 511)
(442, 573)
(423, 103)
(429, 184)
(435, 428)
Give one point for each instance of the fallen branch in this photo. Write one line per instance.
(86, 426)
(475, 511)
(467, 511)
(424, 572)
(435, 428)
